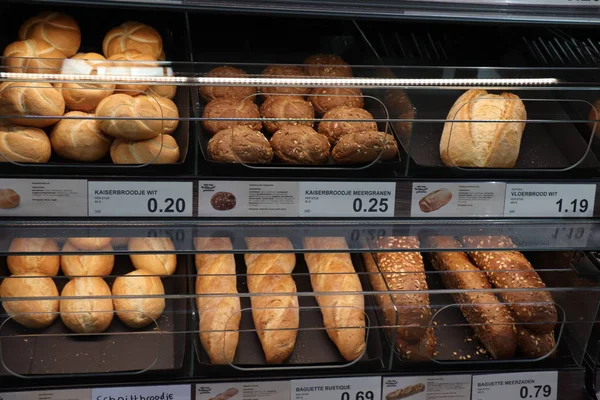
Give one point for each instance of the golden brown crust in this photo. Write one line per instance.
(168, 110)
(290, 110)
(483, 144)
(90, 243)
(362, 147)
(80, 139)
(158, 264)
(131, 59)
(22, 99)
(122, 105)
(230, 108)
(435, 200)
(86, 264)
(490, 319)
(168, 91)
(9, 198)
(24, 144)
(58, 30)
(535, 345)
(334, 273)
(276, 318)
(162, 149)
(86, 314)
(405, 392)
(133, 35)
(327, 65)
(138, 312)
(334, 130)
(240, 144)
(210, 93)
(328, 98)
(34, 264)
(299, 144)
(30, 313)
(511, 270)
(289, 71)
(32, 56)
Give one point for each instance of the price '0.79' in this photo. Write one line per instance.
(171, 205)
(576, 205)
(538, 391)
(368, 395)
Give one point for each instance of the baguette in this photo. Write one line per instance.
(219, 316)
(229, 393)
(511, 270)
(489, 318)
(423, 350)
(400, 271)
(276, 318)
(405, 392)
(535, 345)
(334, 273)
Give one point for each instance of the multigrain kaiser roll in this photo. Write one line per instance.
(57, 30)
(240, 144)
(80, 139)
(361, 147)
(137, 312)
(284, 71)
(86, 314)
(128, 60)
(9, 198)
(336, 122)
(209, 93)
(162, 149)
(32, 99)
(483, 144)
(299, 144)
(157, 264)
(230, 108)
(327, 65)
(24, 144)
(86, 264)
(133, 35)
(122, 105)
(32, 313)
(34, 264)
(89, 243)
(170, 112)
(288, 110)
(32, 56)
(82, 96)
(328, 98)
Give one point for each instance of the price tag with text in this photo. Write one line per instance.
(140, 199)
(365, 388)
(166, 392)
(347, 199)
(520, 385)
(549, 200)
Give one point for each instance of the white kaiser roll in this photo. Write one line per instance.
(80, 139)
(24, 144)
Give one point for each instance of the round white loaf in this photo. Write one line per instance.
(158, 264)
(30, 313)
(86, 264)
(140, 311)
(34, 264)
(86, 314)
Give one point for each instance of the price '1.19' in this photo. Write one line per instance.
(170, 205)
(575, 206)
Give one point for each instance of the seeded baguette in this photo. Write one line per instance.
(423, 350)
(490, 319)
(405, 392)
(534, 345)
(511, 270)
(400, 271)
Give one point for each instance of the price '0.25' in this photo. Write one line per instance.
(359, 396)
(576, 205)
(170, 205)
(371, 205)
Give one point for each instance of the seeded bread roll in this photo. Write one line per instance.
(334, 130)
(131, 59)
(86, 264)
(490, 319)
(157, 264)
(210, 93)
(362, 147)
(24, 144)
(162, 149)
(133, 35)
(327, 65)
(230, 108)
(240, 144)
(31, 313)
(284, 71)
(26, 99)
(122, 105)
(289, 110)
(511, 270)
(397, 272)
(80, 139)
(58, 30)
(137, 312)
(32, 56)
(328, 98)
(86, 314)
(34, 264)
(89, 243)
(9, 198)
(299, 144)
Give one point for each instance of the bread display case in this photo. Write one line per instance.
(201, 201)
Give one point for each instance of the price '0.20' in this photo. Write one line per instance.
(359, 396)
(171, 205)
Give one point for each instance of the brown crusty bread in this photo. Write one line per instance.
(328, 98)
(219, 316)
(490, 319)
(232, 111)
(511, 270)
(362, 147)
(287, 110)
(399, 271)
(334, 273)
(423, 350)
(299, 144)
(336, 122)
(535, 345)
(240, 144)
(276, 318)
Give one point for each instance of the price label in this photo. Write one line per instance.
(140, 199)
(69, 394)
(521, 385)
(365, 388)
(537, 200)
(347, 199)
(166, 392)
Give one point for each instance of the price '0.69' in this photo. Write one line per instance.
(368, 395)
(538, 391)
(171, 205)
